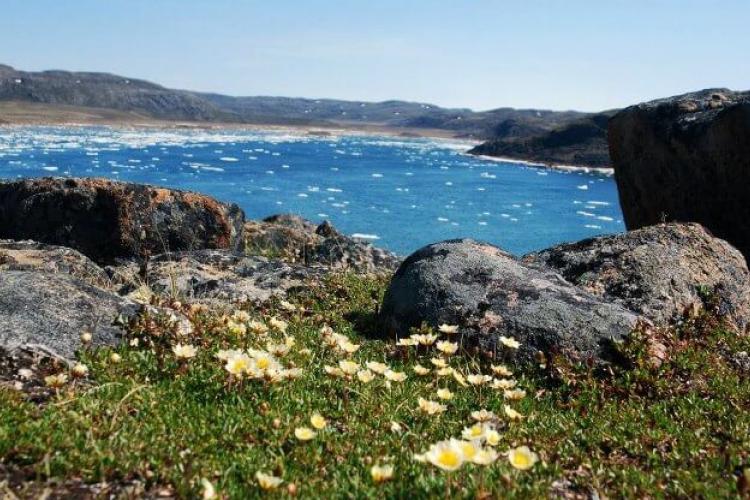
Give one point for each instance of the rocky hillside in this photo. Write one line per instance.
(581, 142)
(686, 158)
(102, 90)
(112, 92)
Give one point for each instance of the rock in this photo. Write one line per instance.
(489, 293)
(214, 274)
(48, 312)
(30, 255)
(656, 271)
(296, 240)
(581, 142)
(686, 159)
(107, 220)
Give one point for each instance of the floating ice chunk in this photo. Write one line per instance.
(228, 158)
(365, 236)
(583, 187)
(50, 169)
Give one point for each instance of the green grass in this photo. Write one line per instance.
(679, 430)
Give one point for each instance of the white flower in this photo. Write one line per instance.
(377, 367)
(420, 370)
(522, 458)
(184, 351)
(483, 415)
(444, 394)
(515, 394)
(478, 379)
(509, 342)
(278, 324)
(394, 376)
(511, 413)
(446, 455)
(447, 348)
(79, 370)
(209, 492)
(365, 376)
(431, 407)
(448, 329)
(268, 481)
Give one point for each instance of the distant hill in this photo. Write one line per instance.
(399, 114)
(107, 91)
(581, 142)
(102, 90)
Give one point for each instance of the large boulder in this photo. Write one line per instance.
(489, 293)
(657, 272)
(107, 220)
(48, 312)
(686, 159)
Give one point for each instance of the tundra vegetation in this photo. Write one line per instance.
(300, 397)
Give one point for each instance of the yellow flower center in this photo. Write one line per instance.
(449, 458)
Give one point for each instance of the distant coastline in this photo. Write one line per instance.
(608, 171)
(13, 113)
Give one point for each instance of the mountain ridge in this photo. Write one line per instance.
(111, 91)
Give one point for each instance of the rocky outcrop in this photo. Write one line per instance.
(296, 240)
(47, 312)
(107, 220)
(213, 274)
(658, 272)
(489, 294)
(582, 142)
(686, 158)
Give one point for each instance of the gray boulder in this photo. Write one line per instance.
(686, 159)
(108, 220)
(656, 271)
(48, 312)
(489, 293)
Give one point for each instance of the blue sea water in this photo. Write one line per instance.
(400, 193)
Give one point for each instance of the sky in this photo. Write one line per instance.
(480, 54)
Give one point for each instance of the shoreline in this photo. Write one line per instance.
(606, 171)
(16, 115)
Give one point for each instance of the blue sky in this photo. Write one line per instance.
(567, 54)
